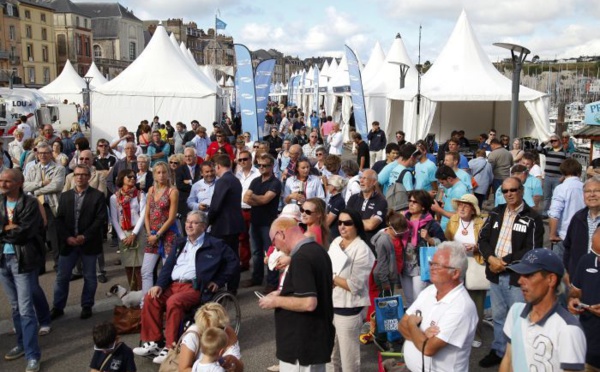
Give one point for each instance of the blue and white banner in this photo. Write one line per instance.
(262, 87)
(236, 93)
(316, 90)
(247, 95)
(592, 113)
(289, 91)
(302, 91)
(219, 24)
(356, 89)
(296, 90)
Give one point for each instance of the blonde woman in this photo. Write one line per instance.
(210, 315)
(160, 214)
(15, 148)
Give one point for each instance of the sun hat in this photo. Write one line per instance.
(468, 199)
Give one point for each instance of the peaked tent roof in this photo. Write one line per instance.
(387, 77)
(229, 83)
(68, 82)
(463, 72)
(341, 78)
(159, 71)
(375, 60)
(97, 77)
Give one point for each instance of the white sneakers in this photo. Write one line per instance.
(161, 356)
(147, 349)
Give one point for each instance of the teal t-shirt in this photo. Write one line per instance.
(425, 175)
(455, 192)
(10, 206)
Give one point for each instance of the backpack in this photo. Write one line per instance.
(171, 363)
(397, 195)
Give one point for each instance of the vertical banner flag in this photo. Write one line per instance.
(316, 90)
(262, 86)
(303, 90)
(296, 89)
(356, 89)
(236, 93)
(247, 96)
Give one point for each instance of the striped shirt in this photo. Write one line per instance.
(553, 162)
(504, 245)
(593, 223)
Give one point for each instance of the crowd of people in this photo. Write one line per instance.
(322, 234)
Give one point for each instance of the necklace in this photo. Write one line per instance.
(464, 228)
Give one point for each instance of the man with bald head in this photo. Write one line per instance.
(371, 205)
(295, 155)
(304, 331)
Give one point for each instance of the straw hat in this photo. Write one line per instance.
(468, 199)
(291, 211)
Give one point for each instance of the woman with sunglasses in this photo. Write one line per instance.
(423, 231)
(335, 204)
(144, 175)
(350, 291)
(127, 208)
(464, 228)
(303, 185)
(321, 154)
(313, 216)
(174, 162)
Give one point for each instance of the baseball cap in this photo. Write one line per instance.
(538, 259)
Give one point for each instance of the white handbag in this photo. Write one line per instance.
(475, 279)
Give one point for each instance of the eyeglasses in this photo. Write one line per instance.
(81, 159)
(307, 212)
(243, 159)
(101, 145)
(554, 140)
(130, 176)
(435, 265)
(256, 146)
(80, 175)
(263, 165)
(506, 191)
(320, 154)
(346, 223)
(174, 162)
(591, 191)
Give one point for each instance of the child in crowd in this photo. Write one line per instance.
(212, 345)
(109, 353)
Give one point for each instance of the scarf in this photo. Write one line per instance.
(124, 200)
(414, 228)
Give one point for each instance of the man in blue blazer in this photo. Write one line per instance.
(225, 213)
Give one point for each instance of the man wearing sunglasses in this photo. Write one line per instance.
(246, 173)
(511, 230)
(555, 155)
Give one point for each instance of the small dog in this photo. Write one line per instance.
(129, 299)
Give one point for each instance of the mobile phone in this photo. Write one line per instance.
(582, 306)
(258, 294)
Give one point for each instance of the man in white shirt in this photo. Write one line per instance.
(441, 322)
(202, 191)
(118, 143)
(246, 173)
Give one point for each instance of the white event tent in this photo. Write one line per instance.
(96, 75)
(385, 80)
(68, 85)
(464, 90)
(159, 82)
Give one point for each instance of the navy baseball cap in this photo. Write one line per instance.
(537, 260)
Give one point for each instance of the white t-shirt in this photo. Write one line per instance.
(192, 342)
(554, 343)
(456, 316)
(207, 367)
(536, 171)
(469, 238)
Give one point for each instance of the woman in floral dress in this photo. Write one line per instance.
(160, 214)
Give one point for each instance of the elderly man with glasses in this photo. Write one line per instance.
(310, 149)
(439, 326)
(511, 230)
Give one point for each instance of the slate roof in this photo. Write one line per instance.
(37, 3)
(66, 6)
(107, 10)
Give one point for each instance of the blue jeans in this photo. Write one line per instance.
(18, 291)
(40, 303)
(496, 183)
(65, 268)
(503, 296)
(549, 184)
(259, 244)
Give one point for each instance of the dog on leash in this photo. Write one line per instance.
(129, 298)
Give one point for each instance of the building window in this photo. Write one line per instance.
(132, 51)
(12, 32)
(78, 44)
(13, 52)
(30, 52)
(85, 23)
(10, 10)
(27, 14)
(61, 45)
(31, 74)
(28, 32)
(44, 34)
(97, 51)
(77, 21)
(45, 53)
(43, 17)
(46, 75)
(88, 52)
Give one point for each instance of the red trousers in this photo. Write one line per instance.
(373, 294)
(245, 241)
(175, 301)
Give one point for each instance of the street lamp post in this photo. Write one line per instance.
(518, 54)
(86, 99)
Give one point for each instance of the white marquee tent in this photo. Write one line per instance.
(373, 65)
(68, 85)
(464, 90)
(159, 82)
(96, 75)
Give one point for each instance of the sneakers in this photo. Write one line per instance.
(161, 356)
(14, 353)
(44, 330)
(273, 368)
(102, 278)
(476, 344)
(33, 365)
(490, 360)
(56, 313)
(147, 349)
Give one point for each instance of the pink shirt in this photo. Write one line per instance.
(327, 127)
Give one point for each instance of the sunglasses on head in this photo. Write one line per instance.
(345, 223)
(307, 212)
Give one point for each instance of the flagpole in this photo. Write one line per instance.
(215, 45)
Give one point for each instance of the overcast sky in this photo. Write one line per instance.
(549, 28)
